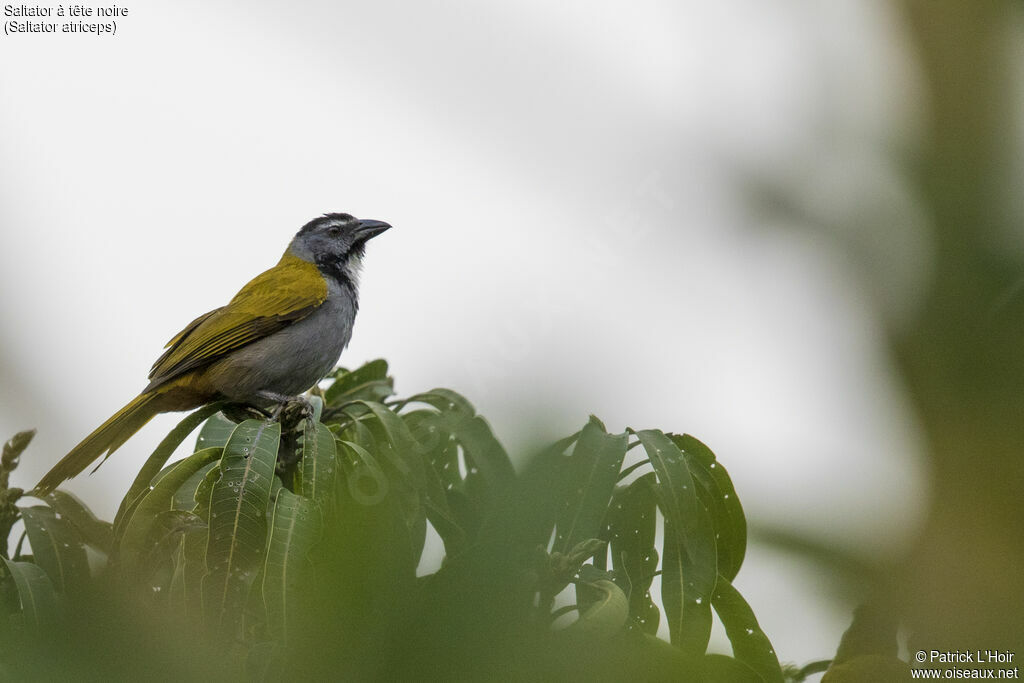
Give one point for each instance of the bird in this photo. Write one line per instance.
(281, 334)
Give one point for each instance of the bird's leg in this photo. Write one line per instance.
(240, 412)
(287, 405)
(291, 412)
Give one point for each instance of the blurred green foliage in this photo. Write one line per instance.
(291, 548)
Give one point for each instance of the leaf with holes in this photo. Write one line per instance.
(444, 400)
(155, 462)
(749, 643)
(94, 531)
(369, 382)
(57, 548)
(132, 545)
(215, 432)
(689, 557)
(719, 496)
(190, 559)
(632, 523)
(400, 447)
(295, 528)
(238, 521)
(595, 463)
(317, 468)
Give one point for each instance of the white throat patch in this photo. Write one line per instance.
(354, 268)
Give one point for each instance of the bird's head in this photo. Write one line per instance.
(336, 242)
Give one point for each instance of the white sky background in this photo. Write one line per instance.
(569, 185)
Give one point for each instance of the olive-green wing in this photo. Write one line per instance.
(288, 292)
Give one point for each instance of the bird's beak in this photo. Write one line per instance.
(366, 229)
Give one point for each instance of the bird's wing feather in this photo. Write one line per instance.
(288, 292)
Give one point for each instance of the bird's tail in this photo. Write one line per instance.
(106, 439)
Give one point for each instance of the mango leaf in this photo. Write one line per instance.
(215, 432)
(158, 459)
(317, 470)
(749, 643)
(595, 463)
(163, 541)
(405, 453)
(12, 451)
(719, 496)
(606, 610)
(238, 521)
(632, 523)
(318, 406)
(442, 451)
(441, 517)
(295, 528)
(444, 400)
(92, 530)
(394, 444)
(132, 546)
(57, 548)
(356, 431)
(364, 478)
(689, 556)
(185, 496)
(687, 605)
(482, 450)
(36, 595)
(369, 382)
(190, 560)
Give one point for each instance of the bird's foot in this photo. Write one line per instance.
(293, 410)
(240, 412)
(296, 416)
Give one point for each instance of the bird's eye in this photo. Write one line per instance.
(334, 230)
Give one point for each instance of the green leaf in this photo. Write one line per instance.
(35, 594)
(444, 400)
(365, 480)
(749, 643)
(719, 496)
(57, 548)
(185, 496)
(441, 516)
(12, 451)
(632, 526)
(158, 459)
(595, 462)
(484, 452)
(215, 432)
(238, 521)
(190, 560)
(294, 529)
(92, 530)
(606, 612)
(317, 469)
(689, 556)
(161, 545)
(369, 382)
(406, 452)
(132, 545)
(318, 406)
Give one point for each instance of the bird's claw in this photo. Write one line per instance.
(240, 412)
(294, 410)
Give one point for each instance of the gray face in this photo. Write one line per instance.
(335, 242)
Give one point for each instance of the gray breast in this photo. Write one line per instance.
(291, 360)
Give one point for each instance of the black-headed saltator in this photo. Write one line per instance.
(282, 333)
